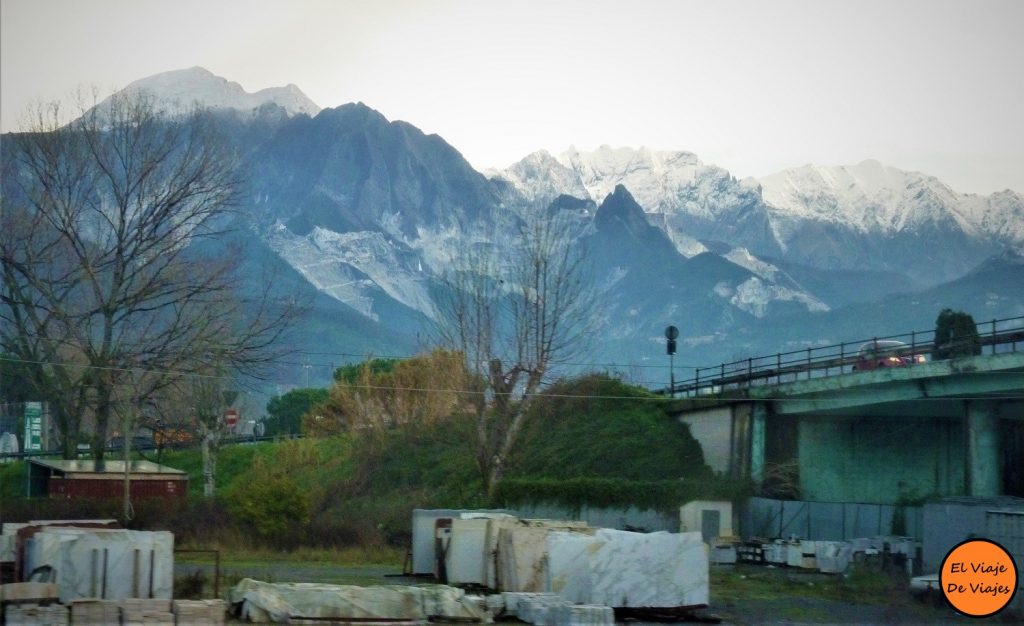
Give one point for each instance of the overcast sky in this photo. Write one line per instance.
(756, 86)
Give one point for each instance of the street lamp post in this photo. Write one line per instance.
(671, 334)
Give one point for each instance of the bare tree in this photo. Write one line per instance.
(515, 315)
(114, 261)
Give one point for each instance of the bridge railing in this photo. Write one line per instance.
(996, 336)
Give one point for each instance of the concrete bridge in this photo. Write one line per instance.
(942, 428)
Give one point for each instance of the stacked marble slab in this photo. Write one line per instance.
(548, 609)
(145, 611)
(833, 557)
(522, 552)
(585, 615)
(540, 609)
(626, 569)
(200, 612)
(507, 603)
(466, 557)
(95, 612)
(105, 563)
(35, 615)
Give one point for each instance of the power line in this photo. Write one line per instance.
(1011, 396)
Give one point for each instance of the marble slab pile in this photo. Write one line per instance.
(522, 552)
(260, 601)
(105, 564)
(33, 615)
(548, 609)
(95, 612)
(624, 569)
(200, 612)
(833, 557)
(467, 556)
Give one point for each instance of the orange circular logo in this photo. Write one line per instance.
(978, 578)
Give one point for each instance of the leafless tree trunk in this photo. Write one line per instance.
(109, 262)
(514, 321)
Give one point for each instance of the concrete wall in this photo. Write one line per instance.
(880, 459)
(712, 428)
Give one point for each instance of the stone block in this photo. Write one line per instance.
(585, 615)
(34, 615)
(625, 569)
(94, 612)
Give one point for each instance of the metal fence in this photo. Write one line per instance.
(996, 336)
(827, 521)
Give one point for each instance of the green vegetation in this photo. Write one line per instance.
(617, 493)
(351, 373)
(597, 426)
(956, 335)
(590, 441)
(284, 413)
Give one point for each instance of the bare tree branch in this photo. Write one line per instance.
(114, 259)
(514, 321)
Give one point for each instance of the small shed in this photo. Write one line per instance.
(74, 479)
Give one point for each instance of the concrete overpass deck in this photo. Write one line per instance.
(943, 428)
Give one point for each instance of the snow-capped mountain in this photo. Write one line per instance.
(180, 89)
(689, 200)
(866, 216)
(871, 215)
(368, 214)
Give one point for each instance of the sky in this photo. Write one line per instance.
(753, 86)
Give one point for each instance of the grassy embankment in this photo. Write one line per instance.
(593, 441)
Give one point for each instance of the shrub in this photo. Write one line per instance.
(272, 505)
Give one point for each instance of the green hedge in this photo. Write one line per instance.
(615, 493)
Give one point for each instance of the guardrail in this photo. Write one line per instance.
(995, 336)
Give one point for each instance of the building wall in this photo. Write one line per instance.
(880, 459)
(106, 488)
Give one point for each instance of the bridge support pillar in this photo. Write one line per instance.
(983, 455)
(757, 441)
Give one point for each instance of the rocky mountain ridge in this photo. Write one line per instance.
(369, 214)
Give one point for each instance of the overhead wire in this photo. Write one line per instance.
(663, 398)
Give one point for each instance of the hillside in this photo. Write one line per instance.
(362, 488)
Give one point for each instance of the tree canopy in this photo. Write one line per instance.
(956, 335)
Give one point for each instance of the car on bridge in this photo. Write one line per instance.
(883, 354)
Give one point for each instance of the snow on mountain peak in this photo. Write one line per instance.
(868, 196)
(179, 89)
(872, 197)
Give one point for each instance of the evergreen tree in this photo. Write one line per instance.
(956, 335)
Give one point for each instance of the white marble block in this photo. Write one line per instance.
(512, 601)
(522, 553)
(625, 569)
(106, 564)
(540, 609)
(585, 615)
(466, 558)
(833, 557)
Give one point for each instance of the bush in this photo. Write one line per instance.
(615, 493)
(272, 505)
(597, 426)
(956, 335)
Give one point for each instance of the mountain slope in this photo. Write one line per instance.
(180, 89)
(872, 216)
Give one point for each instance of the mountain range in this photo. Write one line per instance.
(365, 215)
